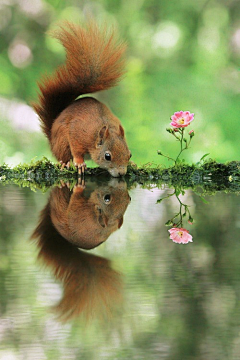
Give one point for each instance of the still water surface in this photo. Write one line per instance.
(138, 295)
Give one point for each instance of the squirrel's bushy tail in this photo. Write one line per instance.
(94, 62)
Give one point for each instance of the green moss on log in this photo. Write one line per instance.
(209, 174)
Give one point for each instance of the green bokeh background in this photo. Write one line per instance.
(182, 55)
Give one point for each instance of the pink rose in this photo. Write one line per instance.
(180, 235)
(181, 119)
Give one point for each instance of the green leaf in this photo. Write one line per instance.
(178, 192)
(203, 200)
(203, 157)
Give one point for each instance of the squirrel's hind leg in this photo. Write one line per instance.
(63, 164)
(62, 152)
(59, 143)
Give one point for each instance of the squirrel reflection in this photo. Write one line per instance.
(88, 215)
(84, 217)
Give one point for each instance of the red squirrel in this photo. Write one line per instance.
(83, 127)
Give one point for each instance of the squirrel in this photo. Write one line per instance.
(79, 128)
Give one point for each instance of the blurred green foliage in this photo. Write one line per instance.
(182, 55)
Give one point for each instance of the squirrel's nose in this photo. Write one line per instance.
(122, 172)
(118, 171)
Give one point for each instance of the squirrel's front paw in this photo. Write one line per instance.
(81, 165)
(80, 186)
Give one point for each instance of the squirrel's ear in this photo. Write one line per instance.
(121, 130)
(103, 134)
(101, 217)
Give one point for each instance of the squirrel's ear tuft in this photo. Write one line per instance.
(120, 222)
(121, 130)
(102, 135)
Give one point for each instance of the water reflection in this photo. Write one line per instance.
(82, 217)
(178, 233)
(91, 287)
(88, 214)
(179, 302)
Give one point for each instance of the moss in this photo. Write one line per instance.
(210, 175)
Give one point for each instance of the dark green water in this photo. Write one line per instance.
(138, 295)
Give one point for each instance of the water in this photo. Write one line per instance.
(138, 295)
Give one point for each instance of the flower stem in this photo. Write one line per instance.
(168, 157)
(182, 141)
(181, 144)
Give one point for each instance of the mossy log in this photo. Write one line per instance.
(208, 174)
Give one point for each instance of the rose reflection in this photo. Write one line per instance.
(178, 234)
(84, 217)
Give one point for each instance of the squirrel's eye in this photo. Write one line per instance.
(107, 198)
(130, 155)
(108, 156)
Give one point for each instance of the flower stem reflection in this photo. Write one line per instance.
(178, 233)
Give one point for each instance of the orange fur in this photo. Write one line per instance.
(94, 62)
(90, 284)
(84, 218)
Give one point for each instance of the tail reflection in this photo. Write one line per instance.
(84, 217)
